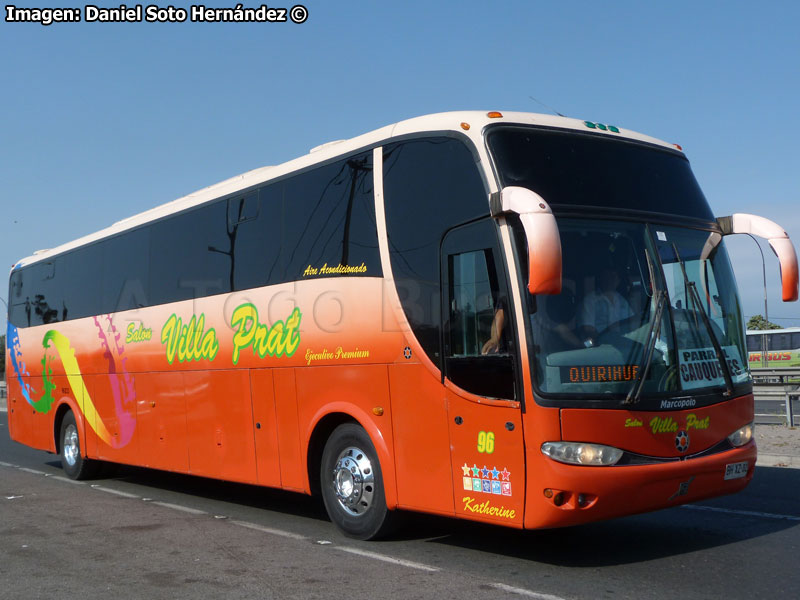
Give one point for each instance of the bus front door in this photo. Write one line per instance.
(487, 449)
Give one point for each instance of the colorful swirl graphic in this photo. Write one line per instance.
(120, 380)
(121, 384)
(67, 356)
(15, 353)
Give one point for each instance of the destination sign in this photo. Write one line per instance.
(598, 373)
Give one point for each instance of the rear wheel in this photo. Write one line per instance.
(73, 462)
(352, 484)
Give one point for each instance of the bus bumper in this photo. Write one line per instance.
(564, 495)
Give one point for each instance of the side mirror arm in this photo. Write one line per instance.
(778, 240)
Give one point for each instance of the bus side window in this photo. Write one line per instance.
(430, 185)
(478, 332)
(780, 341)
(475, 310)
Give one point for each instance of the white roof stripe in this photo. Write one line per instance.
(449, 121)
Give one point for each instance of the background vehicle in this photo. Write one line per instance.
(411, 319)
(782, 347)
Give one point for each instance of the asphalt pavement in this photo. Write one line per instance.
(139, 533)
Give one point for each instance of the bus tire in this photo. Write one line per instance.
(352, 484)
(74, 464)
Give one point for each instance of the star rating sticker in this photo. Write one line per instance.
(495, 473)
(466, 470)
(475, 470)
(485, 472)
(505, 473)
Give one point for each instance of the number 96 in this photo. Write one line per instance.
(486, 442)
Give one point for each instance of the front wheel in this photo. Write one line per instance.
(352, 484)
(74, 464)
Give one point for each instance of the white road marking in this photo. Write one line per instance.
(270, 530)
(186, 509)
(34, 471)
(66, 479)
(743, 513)
(115, 492)
(5, 464)
(388, 559)
(524, 592)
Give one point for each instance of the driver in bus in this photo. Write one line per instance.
(497, 343)
(603, 310)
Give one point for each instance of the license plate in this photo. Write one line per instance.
(735, 470)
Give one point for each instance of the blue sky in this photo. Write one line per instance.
(101, 121)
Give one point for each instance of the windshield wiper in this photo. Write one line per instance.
(697, 303)
(647, 357)
(653, 333)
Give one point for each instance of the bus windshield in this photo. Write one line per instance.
(642, 305)
(573, 171)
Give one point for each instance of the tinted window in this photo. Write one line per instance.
(255, 227)
(478, 332)
(42, 303)
(126, 268)
(780, 341)
(472, 303)
(754, 343)
(18, 309)
(320, 223)
(329, 222)
(78, 280)
(575, 169)
(191, 255)
(35, 297)
(430, 186)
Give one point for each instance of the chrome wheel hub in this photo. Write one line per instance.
(354, 481)
(72, 449)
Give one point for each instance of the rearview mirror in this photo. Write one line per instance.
(541, 232)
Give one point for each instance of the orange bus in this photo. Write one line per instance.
(513, 318)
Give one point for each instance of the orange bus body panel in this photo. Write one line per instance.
(161, 421)
(488, 460)
(422, 444)
(266, 424)
(292, 477)
(653, 433)
(219, 423)
(628, 489)
(624, 490)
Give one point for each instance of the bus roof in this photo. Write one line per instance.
(475, 122)
(769, 331)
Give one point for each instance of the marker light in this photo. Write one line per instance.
(742, 436)
(465, 126)
(494, 115)
(580, 453)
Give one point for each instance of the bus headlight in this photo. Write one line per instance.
(580, 453)
(742, 435)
